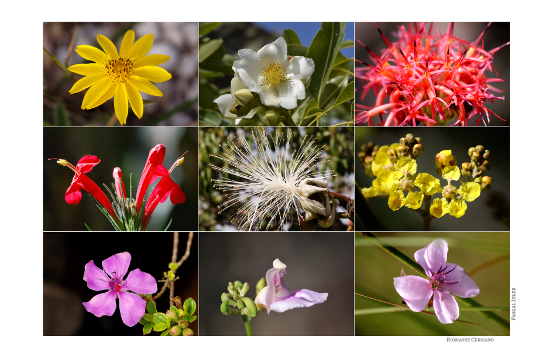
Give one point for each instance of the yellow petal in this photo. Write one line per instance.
(127, 43)
(141, 47)
(96, 92)
(151, 60)
(144, 85)
(135, 100)
(153, 73)
(85, 69)
(121, 103)
(91, 53)
(87, 82)
(108, 46)
(108, 95)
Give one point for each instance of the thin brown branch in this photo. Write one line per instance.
(188, 250)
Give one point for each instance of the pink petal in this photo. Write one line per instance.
(140, 282)
(299, 299)
(415, 291)
(96, 279)
(433, 256)
(103, 304)
(271, 279)
(132, 308)
(445, 307)
(117, 264)
(466, 286)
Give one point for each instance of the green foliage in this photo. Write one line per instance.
(327, 97)
(174, 322)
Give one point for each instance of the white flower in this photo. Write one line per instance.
(227, 101)
(274, 76)
(273, 181)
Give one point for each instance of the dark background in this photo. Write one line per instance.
(66, 254)
(321, 262)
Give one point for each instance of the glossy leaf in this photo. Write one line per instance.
(209, 48)
(151, 307)
(323, 51)
(160, 317)
(208, 27)
(291, 37)
(190, 306)
(160, 327)
(347, 44)
(147, 328)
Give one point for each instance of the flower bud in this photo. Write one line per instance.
(403, 150)
(171, 314)
(485, 166)
(183, 324)
(180, 312)
(475, 157)
(261, 285)
(272, 117)
(471, 151)
(175, 331)
(486, 154)
(449, 191)
(361, 155)
(243, 96)
(187, 332)
(418, 149)
(409, 138)
(480, 149)
(418, 140)
(403, 141)
(487, 180)
(244, 289)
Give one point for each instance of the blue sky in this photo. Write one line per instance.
(307, 31)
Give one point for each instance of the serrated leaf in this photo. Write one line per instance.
(190, 306)
(209, 117)
(160, 317)
(147, 328)
(208, 27)
(291, 37)
(323, 51)
(346, 44)
(209, 48)
(60, 116)
(151, 307)
(160, 327)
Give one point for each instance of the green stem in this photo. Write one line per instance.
(247, 325)
(67, 73)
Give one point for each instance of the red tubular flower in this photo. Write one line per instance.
(73, 195)
(165, 187)
(155, 159)
(427, 77)
(119, 183)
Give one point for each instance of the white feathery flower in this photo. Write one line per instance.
(277, 78)
(273, 180)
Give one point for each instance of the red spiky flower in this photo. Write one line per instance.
(428, 78)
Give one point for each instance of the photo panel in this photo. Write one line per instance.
(113, 285)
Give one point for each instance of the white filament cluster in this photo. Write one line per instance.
(273, 181)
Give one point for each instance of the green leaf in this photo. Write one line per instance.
(347, 44)
(291, 37)
(190, 306)
(323, 51)
(370, 311)
(346, 94)
(208, 27)
(151, 307)
(312, 112)
(147, 328)
(60, 115)
(87, 227)
(209, 117)
(160, 317)
(206, 50)
(340, 60)
(165, 333)
(296, 50)
(210, 74)
(304, 109)
(160, 327)
(190, 318)
(147, 317)
(208, 93)
(216, 66)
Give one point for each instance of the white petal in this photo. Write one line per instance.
(300, 68)
(289, 91)
(268, 95)
(273, 53)
(237, 84)
(225, 103)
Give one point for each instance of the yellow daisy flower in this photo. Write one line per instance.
(469, 191)
(439, 207)
(121, 75)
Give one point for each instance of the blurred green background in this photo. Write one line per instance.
(340, 152)
(489, 212)
(124, 147)
(321, 262)
(375, 270)
(177, 106)
(497, 35)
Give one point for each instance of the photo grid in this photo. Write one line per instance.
(374, 156)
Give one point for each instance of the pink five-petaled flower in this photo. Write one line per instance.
(73, 195)
(425, 75)
(132, 306)
(444, 281)
(275, 297)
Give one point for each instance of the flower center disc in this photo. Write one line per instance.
(119, 70)
(273, 75)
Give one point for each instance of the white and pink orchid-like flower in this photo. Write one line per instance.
(444, 281)
(275, 297)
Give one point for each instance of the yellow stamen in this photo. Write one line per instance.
(119, 70)
(273, 75)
